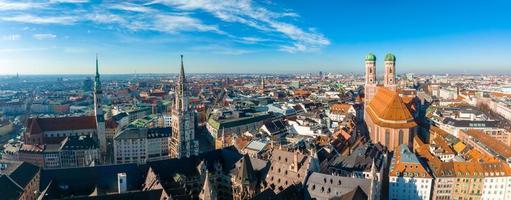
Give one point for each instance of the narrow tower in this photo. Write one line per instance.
(390, 72)
(182, 142)
(262, 83)
(370, 84)
(98, 111)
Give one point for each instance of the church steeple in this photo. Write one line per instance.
(182, 72)
(98, 111)
(183, 143)
(181, 102)
(97, 80)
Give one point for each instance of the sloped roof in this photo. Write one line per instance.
(405, 163)
(9, 189)
(39, 125)
(246, 172)
(388, 105)
(388, 109)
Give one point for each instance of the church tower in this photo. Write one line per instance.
(262, 83)
(390, 72)
(182, 142)
(370, 84)
(98, 111)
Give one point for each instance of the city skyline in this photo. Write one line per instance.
(63, 36)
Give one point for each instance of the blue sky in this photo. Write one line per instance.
(147, 36)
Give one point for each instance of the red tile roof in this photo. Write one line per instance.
(39, 125)
(387, 109)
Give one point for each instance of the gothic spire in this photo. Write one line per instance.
(97, 80)
(182, 72)
(97, 66)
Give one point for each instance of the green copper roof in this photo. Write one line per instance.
(390, 57)
(370, 57)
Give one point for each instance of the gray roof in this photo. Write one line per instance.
(470, 123)
(407, 155)
(325, 186)
(137, 133)
(15, 177)
(360, 159)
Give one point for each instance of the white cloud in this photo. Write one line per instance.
(12, 37)
(69, 1)
(105, 18)
(274, 27)
(132, 7)
(293, 48)
(177, 23)
(252, 40)
(253, 15)
(31, 19)
(9, 5)
(44, 36)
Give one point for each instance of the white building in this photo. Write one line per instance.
(140, 145)
(448, 93)
(408, 178)
(497, 181)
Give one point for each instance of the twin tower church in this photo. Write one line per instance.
(388, 116)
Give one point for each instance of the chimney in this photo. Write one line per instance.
(122, 185)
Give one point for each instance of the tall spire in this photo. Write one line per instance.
(97, 81)
(97, 66)
(182, 72)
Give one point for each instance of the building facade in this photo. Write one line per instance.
(98, 111)
(140, 145)
(183, 142)
(389, 120)
(408, 177)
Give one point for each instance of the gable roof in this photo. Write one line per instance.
(39, 125)
(23, 173)
(15, 177)
(9, 189)
(245, 172)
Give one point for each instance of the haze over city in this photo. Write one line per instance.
(146, 36)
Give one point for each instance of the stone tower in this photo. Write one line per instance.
(390, 72)
(182, 142)
(98, 111)
(370, 76)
